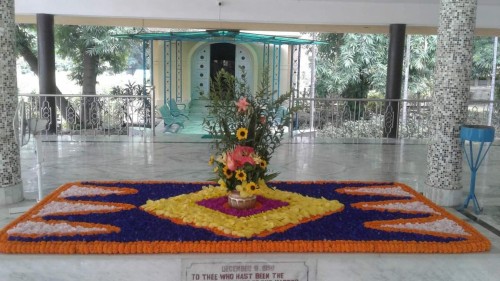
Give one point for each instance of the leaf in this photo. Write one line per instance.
(269, 177)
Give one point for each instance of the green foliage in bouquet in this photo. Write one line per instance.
(246, 130)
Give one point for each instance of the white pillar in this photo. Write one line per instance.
(451, 93)
(11, 190)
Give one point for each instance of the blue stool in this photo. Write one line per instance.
(481, 135)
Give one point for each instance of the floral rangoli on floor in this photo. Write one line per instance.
(177, 217)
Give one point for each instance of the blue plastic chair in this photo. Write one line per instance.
(174, 109)
(169, 119)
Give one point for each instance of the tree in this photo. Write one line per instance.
(482, 59)
(422, 62)
(350, 65)
(92, 49)
(26, 47)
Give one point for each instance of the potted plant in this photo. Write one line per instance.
(246, 129)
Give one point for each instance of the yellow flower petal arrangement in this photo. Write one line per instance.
(184, 209)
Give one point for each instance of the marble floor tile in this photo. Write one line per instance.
(184, 158)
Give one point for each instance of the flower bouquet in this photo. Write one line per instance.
(246, 130)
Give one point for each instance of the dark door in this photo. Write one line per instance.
(222, 56)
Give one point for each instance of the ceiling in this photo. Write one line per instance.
(367, 16)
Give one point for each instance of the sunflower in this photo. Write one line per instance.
(263, 164)
(228, 173)
(241, 175)
(211, 161)
(242, 133)
(251, 187)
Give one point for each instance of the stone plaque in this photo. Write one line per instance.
(203, 270)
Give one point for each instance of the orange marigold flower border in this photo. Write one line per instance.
(474, 242)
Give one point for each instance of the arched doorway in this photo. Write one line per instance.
(208, 59)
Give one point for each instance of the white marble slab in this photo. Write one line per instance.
(346, 267)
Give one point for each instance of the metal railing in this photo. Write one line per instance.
(127, 115)
(373, 118)
(91, 115)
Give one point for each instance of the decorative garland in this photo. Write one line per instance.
(140, 217)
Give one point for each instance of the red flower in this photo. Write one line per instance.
(239, 157)
(231, 164)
